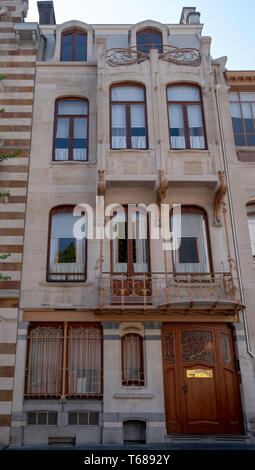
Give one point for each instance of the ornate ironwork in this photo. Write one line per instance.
(181, 56)
(197, 345)
(226, 348)
(117, 57)
(169, 348)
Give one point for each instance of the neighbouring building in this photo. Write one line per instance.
(120, 339)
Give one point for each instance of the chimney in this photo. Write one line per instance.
(190, 16)
(46, 12)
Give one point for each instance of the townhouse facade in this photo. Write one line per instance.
(114, 337)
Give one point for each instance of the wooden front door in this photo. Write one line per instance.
(200, 380)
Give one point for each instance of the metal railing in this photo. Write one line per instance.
(161, 289)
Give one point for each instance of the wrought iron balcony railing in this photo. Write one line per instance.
(117, 57)
(160, 291)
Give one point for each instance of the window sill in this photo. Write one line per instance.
(133, 395)
(129, 152)
(90, 164)
(65, 284)
(190, 152)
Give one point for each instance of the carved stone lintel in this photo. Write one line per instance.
(163, 184)
(101, 183)
(219, 197)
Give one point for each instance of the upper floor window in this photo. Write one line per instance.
(71, 129)
(185, 117)
(66, 254)
(74, 46)
(128, 117)
(242, 106)
(132, 359)
(148, 39)
(251, 223)
(193, 256)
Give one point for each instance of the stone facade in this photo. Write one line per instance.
(157, 174)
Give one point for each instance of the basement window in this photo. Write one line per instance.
(83, 418)
(41, 418)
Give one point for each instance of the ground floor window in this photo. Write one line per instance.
(64, 360)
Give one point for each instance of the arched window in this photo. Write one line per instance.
(128, 117)
(66, 254)
(193, 255)
(186, 119)
(132, 359)
(148, 39)
(251, 223)
(74, 46)
(71, 130)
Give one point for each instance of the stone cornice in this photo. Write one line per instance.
(240, 77)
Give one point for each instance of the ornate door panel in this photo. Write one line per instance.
(201, 385)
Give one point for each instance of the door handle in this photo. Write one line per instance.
(185, 388)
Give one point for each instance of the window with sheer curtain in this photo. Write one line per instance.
(74, 46)
(148, 39)
(193, 254)
(185, 117)
(132, 360)
(67, 255)
(47, 346)
(128, 117)
(251, 224)
(71, 130)
(130, 244)
(242, 107)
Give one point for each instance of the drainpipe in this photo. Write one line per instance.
(224, 154)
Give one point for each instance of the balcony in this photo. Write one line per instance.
(168, 293)
(118, 57)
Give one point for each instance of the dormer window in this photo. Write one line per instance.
(148, 39)
(74, 46)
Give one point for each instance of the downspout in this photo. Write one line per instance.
(237, 256)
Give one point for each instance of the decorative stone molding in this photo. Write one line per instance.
(219, 197)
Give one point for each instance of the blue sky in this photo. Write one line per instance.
(230, 23)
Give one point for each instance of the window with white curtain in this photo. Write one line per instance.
(193, 253)
(130, 243)
(67, 254)
(132, 360)
(251, 224)
(71, 130)
(242, 107)
(128, 117)
(185, 117)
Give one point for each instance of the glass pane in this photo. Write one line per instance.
(119, 244)
(67, 47)
(251, 225)
(196, 130)
(240, 140)
(127, 93)
(83, 419)
(197, 345)
(188, 252)
(62, 139)
(73, 419)
(66, 251)
(251, 139)
(119, 140)
(248, 118)
(42, 418)
(156, 41)
(81, 47)
(31, 418)
(236, 117)
(233, 96)
(80, 139)
(176, 126)
(226, 348)
(183, 93)
(142, 43)
(247, 96)
(138, 131)
(52, 419)
(72, 107)
(93, 419)
(169, 348)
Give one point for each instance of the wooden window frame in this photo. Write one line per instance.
(244, 133)
(132, 382)
(130, 270)
(184, 105)
(128, 116)
(74, 32)
(149, 32)
(63, 210)
(189, 209)
(63, 394)
(248, 214)
(71, 118)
